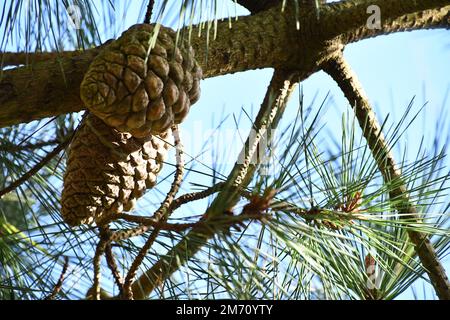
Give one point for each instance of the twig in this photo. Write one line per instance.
(126, 234)
(105, 233)
(111, 261)
(196, 196)
(58, 285)
(95, 290)
(161, 215)
(341, 72)
(146, 221)
(148, 14)
(36, 168)
(28, 146)
(163, 211)
(178, 202)
(145, 224)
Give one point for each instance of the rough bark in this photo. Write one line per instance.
(350, 17)
(44, 89)
(266, 39)
(427, 19)
(26, 58)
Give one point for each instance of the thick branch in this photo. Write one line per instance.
(35, 169)
(26, 58)
(58, 285)
(341, 72)
(43, 89)
(349, 19)
(52, 87)
(267, 39)
(271, 109)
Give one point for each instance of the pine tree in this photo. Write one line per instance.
(290, 220)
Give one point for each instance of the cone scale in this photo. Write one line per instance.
(107, 171)
(143, 89)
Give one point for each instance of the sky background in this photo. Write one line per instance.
(393, 70)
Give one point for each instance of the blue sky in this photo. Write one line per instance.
(393, 69)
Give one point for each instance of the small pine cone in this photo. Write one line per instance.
(107, 171)
(142, 93)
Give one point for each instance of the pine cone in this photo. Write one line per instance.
(107, 171)
(139, 93)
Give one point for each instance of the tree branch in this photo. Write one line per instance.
(146, 221)
(266, 39)
(12, 148)
(148, 13)
(255, 6)
(42, 90)
(111, 261)
(96, 289)
(188, 197)
(273, 106)
(347, 20)
(26, 58)
(58, 285)
(35, 169)
(428, 19)
(341, 72)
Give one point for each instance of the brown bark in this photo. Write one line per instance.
(427, 19)
(52, 87)
(350, 17)
(43, 89)
(266, 39)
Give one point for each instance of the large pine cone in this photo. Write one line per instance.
(107, 171)
(142, 91)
